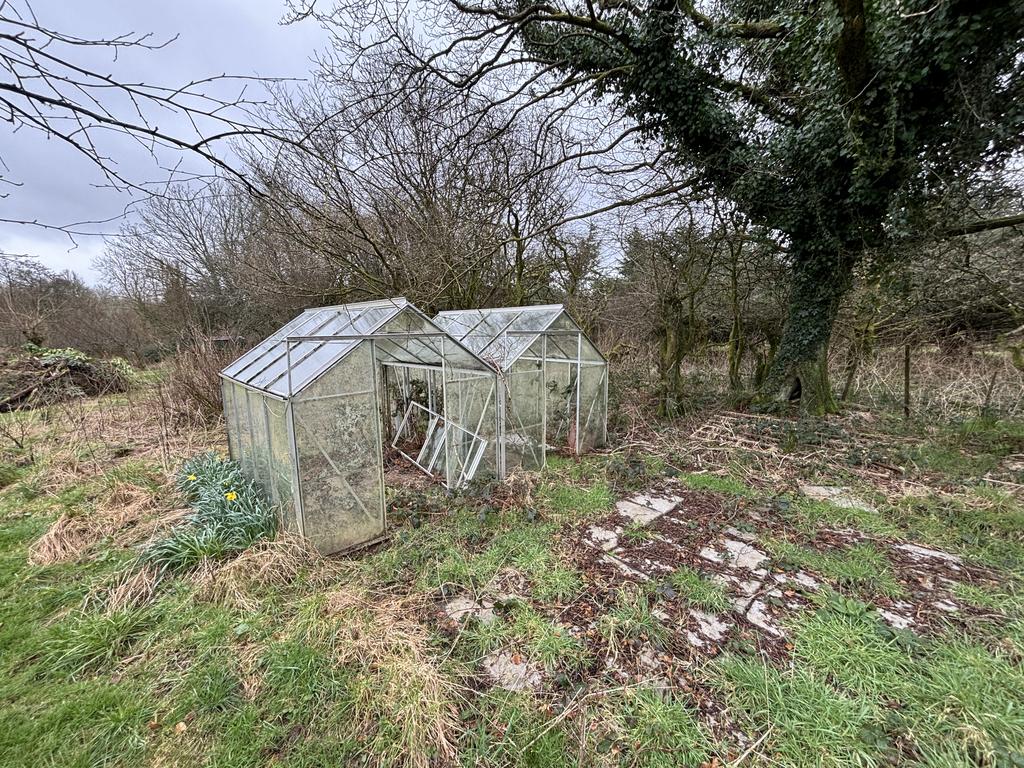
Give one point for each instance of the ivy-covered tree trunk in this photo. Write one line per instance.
(799, 371)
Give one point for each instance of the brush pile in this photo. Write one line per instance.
(37, 376)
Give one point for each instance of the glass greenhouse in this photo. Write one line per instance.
(554, 392)
(312, 409)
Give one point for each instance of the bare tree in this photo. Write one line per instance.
(46, 87)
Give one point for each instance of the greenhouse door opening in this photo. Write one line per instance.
(447, 448)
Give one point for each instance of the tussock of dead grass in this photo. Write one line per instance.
(406, 706)
(239, 582)
(118, 514)
(130, 589)
(515, 491)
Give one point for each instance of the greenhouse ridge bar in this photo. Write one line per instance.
(468, 394)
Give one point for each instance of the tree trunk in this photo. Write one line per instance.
(669, 371)
(799, 371)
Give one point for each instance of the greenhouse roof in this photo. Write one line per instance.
(501, 336)
(318, 338)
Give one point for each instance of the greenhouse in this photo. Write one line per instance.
(315, 411)
(308, 411)
(554, 381)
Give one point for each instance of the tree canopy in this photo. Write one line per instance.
(836, 124)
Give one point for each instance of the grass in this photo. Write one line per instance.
(270, 658)
(699, 591)
(717, 483)
(861, 568)
(813, 514)
(806, 721)
(631, 619)
(658, 730)
(960, 702)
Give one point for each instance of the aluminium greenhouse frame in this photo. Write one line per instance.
(305, 432)
(487, 391)
(545, 347)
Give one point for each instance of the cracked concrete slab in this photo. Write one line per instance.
(660, 504)
(896, 620)
(512, 672)
(758, 615)
(638, 513)
(710, 626)
(465, 607)
(924, 552)
(603, 538)
(742, 555)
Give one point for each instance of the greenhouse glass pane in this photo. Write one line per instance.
(236, 368)
(337, 438)
(230, 423)
(560, 386)
(274, 354)
(261, 472)
(244, 429)
(281, 463)
(309, 360)
(593, 408)
(524, 416)
(470, 410)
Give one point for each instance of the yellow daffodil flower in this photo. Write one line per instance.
(230, 495)
(193, 478)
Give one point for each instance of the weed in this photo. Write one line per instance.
(549, 644)
(566, 502)
(816, 513)
(637, 533)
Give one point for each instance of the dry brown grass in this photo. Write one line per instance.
(126, 512)
(130, 589)
(240, 583)
(82, 439)
(944, 384)
(407, 706)
(516, 490)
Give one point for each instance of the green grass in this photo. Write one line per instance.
(631, 619)
(717, 483)
(959, 703)
(861, 568)
(659, 730)
(699, 591)
(637, 533)
(813, 514)
(982, 523)
(806, 720)
(567, 502)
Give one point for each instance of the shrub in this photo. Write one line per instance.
(193, 388)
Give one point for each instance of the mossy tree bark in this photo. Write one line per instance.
(799, 371)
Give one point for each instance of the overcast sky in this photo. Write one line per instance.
(237, 37)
